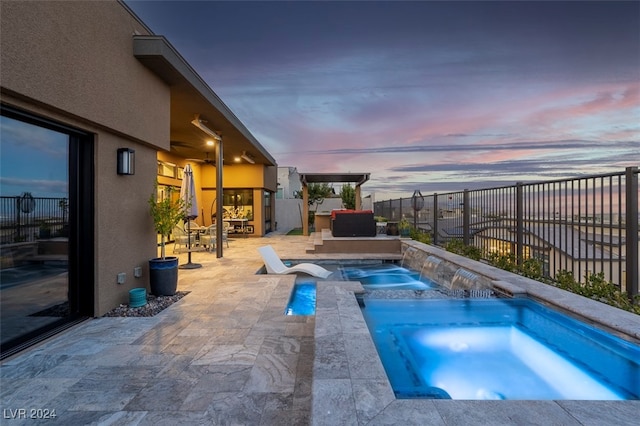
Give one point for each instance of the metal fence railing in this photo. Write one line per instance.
(583, 225)
(26, 218)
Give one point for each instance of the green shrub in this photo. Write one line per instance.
(532, 268)
(472, 252)
(454, 246)
(458, 247)
(503, 261)
(420, 236)
(597, 288)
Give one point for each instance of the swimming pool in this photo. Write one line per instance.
(302, 300)
(433, 346)
(386, 276)
(498, 349)
(378, 276)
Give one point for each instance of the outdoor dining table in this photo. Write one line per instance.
(196, 231)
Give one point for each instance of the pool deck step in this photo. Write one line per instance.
(325, 243)
(315, 238)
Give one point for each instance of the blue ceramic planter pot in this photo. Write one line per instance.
(163, 276)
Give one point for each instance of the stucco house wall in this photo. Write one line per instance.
(73, 62)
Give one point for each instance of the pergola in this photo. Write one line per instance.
(306, 178)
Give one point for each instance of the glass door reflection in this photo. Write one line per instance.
(34, 228)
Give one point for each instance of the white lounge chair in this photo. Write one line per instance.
(275, 266)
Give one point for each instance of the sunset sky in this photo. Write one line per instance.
(436, 96)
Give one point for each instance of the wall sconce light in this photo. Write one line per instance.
(126, 161)
(248, 158)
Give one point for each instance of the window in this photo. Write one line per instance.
(169, 170)
(237, 204)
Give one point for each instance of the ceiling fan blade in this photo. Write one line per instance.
(183, 149)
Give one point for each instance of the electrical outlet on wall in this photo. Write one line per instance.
(137, 271)
(122, 277)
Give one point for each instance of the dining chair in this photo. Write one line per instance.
(208, 237)
(181, 238)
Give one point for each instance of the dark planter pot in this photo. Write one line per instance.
(392, 228)
(163, 276)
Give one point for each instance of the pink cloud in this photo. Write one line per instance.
(569, 104)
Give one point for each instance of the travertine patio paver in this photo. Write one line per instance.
(226, 354)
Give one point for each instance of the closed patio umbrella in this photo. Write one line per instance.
(188, 194)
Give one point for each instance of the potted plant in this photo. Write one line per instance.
(405, 227)
(166, 213)
(381, 224)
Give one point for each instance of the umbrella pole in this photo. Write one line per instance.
(189, 265)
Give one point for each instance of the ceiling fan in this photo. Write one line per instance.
(205, 160)
(185, 150)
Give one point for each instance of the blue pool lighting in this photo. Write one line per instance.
(498, 349)
(386, 276)
(302, 300)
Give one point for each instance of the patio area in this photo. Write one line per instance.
(226, 354)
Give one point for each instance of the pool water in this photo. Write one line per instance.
(379, 276)
(302, 300)
(11, 277)
(386, 276)
(498, 349)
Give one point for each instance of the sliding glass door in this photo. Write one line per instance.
(42, 216)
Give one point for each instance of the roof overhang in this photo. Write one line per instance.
(357, 178)
(191, 96)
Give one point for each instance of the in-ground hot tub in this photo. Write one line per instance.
(498, 349)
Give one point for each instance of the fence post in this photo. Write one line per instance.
(631, 231)
(519, 223)
(466, 218)
(18, 227)
(435, 218)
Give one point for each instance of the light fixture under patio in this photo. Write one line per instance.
(126, 161)
(247, 157)
(200, 125)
